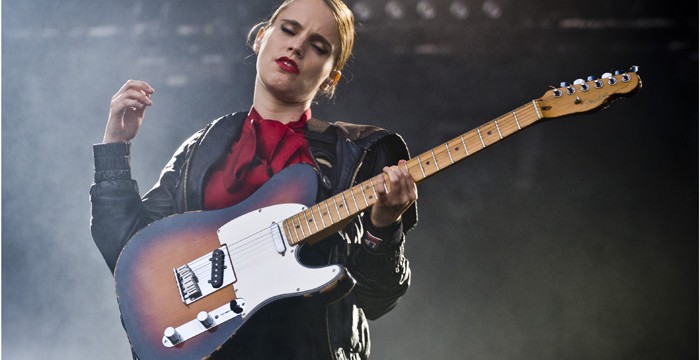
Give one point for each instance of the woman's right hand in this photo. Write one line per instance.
(126, 111)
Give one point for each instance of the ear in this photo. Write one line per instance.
(258, 39)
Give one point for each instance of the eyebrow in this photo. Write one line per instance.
(315, 36)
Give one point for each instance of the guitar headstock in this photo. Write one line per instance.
(588, 95)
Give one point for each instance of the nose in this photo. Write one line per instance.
(296, 47)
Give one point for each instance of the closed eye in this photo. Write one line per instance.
(286, 30)
(320, 49)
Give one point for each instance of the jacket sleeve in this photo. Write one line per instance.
(377, 262)
(118, 211)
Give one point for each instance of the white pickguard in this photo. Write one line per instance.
(265, 268)
(264, 274)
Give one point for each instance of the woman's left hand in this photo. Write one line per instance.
(391, 204)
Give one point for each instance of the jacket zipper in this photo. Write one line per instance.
(334, 259)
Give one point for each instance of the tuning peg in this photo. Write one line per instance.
(582, 84)
(569, 89)
(556, 92)
(606, 75)
(590, 78)
(618, 72)
(634, 68)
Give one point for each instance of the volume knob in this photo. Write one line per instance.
(172, 334)
(205, 319)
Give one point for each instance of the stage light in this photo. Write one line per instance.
(187, 30)
(103, 31)
(177, 80)
(426, 10)
(394, 9)
(492, 9)
(362, 11)
(459, 10)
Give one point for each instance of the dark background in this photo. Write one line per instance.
(576, 239)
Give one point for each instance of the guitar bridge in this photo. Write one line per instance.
(204, 275)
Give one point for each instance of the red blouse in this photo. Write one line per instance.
(264, 148)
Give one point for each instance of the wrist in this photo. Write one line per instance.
(382, 223)
(382, 238)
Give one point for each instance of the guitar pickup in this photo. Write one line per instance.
(204, 275)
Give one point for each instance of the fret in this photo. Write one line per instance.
(289, 231)
(329, 213)
(313, 218)
(301, 227)
(321, 215)
(515, 116)
(483, 145)
(340, 217)
(354, 199)
(342, 196)
(362, 190)
(500, 135)
(449, 153)
(306, 221)
(464, 144)
(421, 165)
(537, 110)
(295, 229)
(437, 166)
(374, 190)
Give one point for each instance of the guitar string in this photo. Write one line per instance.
(239, 247)
(252, 243)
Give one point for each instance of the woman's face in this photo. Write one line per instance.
(296, 53)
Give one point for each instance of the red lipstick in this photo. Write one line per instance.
(288, 65)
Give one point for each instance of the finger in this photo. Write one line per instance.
(139, 85)
(397, 184)
(408, 186)
(402, 189)
(136, 94)
(381, 187)
(120, 107)
(133, 104)
(129, 97)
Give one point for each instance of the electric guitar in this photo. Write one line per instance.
(186, 283)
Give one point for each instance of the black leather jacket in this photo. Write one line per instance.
(346, 154)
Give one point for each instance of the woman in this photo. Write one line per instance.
(300, 51)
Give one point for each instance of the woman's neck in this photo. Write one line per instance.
(270, 107)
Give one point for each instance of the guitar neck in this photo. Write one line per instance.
(319, 221)
(453, 151)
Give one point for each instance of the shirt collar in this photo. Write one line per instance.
(254, 116)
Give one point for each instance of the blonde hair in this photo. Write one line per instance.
(345, 20)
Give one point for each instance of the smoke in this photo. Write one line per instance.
(575, 239)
